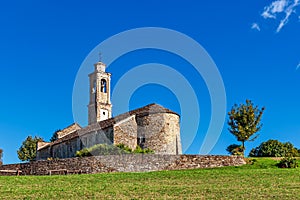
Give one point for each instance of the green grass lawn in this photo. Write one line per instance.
(262, 180)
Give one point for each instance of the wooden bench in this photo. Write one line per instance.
(57, 170)
(64, 171)
(74, 171)
(16, 172)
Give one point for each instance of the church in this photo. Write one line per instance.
(151, 126)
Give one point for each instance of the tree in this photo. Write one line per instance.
(54, 136)
(1, 153)
(27, 152)
(274, 148)
(244, 122)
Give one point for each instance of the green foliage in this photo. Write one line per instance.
(1, 154)
(54, 136)
(124, 147)
(27, 152)
(235, 149)
(145, 151)
(83, 153)
(288, 162)
(105, 149)
(138, 149)
(100, 149)
(274, 148)
(244, 121)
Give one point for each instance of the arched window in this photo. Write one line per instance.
(94, 87)
(103, 86)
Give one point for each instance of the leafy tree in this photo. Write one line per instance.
(1, 153)
(27, 152)
(54, 136)
(235, 149)
(274, 148)
(244, 121)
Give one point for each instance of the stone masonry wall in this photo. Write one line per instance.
(120, 163)
(125, 132)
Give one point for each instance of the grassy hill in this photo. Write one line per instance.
(261, 180)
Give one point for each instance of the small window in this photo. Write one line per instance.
(103, 86)
(141, 142)
(103, 113)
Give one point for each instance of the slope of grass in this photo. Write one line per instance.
(262, 180)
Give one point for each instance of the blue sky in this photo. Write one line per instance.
(255, 45)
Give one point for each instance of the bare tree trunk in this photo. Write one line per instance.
(243, 146)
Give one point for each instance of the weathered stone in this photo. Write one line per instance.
(120, 163)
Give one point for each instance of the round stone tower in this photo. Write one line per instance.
(159, 130)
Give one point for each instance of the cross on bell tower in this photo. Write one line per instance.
(100, 107)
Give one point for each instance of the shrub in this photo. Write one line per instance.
(124, 147)
(83, 153)
(140, 150)
(274, 148)
(288, 162)
(105, 149)
(235, 149)
(100, 149)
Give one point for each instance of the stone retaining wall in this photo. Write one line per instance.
(119, 163)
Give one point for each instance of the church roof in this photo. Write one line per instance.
(144, 111)
(60, 134)
(68, 130)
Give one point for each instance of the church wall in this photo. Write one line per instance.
(73, 146)
(59, 150)
(67, 149)
(125, 132)
(161, 132)
(102, 136)
(43, 154)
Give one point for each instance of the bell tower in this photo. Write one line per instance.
(100, 107)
